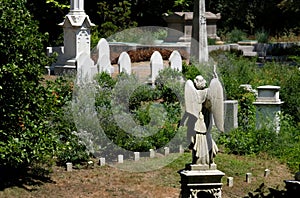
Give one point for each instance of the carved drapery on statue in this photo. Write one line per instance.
(202, 105)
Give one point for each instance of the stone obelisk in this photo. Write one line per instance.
(77, 37)
(199, 49)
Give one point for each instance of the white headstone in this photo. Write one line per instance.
(84, 65)
(181, 149)
(120, 159)
(103, 63)
(167, 151)
(152, 153)
(175, 61)
(230, 181)
(136, 156)
(69, 166)
(248, 177)
(102, 161)
(156, 64)
(124, 63)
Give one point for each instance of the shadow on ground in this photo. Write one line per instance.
(28, 179)
(265, 192)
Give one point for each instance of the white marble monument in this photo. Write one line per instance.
(203, 106)
(77, 35)
(199, 46)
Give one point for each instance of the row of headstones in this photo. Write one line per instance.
(248, 177)
(136, 157)
(87, 68)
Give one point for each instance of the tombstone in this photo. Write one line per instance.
(102, 161)
(181, 150)
(120, 159)
(248, 177)
(152, 153)
(267, 172)
(176, 61)
(136, 156)
(84, 66)
(103, 63)
(230, 181)
(124, 63)
(167, 151)
(231, 115)
(199, 46)
(268, 107)
(156, 64)
(69, 166)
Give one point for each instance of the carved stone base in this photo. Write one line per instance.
(200, 183)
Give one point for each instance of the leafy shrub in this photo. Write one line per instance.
(235, 36)
(190, 71)
(155, 112)
(24, 129)
(262, 36)
(62, 124)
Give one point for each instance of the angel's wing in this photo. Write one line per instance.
(191, 99)
(216, 97)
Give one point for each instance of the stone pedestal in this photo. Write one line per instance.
(201, 181)
(268, 106)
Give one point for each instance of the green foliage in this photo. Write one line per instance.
(23, 130)
(262, 36)
(189, 71)
(235, 71)
(156, 112)
(115, 17)
(61, 122)
(235, 36)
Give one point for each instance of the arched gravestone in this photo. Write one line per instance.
(84, 65)
(103, 62)
(175, 61)
(124, 63)
(156, 64)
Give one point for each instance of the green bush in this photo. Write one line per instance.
(155, 111)
(24, 130)
(235, 36)
(262, 36)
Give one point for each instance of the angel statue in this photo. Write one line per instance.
(202, 106)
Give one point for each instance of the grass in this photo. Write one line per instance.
(163, 182)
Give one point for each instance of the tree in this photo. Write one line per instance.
(24, 138)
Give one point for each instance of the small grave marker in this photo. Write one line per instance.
(152, 153)
(120, 159)
(248, 177)
(229, 181)
(69, 166)
(136, 156)
(102, 161)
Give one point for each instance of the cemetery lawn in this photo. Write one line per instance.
(107, 181)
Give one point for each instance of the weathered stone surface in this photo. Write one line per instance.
(103, 61)
(124, 63)
(156, 64)
(176, 61)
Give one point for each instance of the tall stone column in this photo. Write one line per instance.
(77, 37)
(199, 48)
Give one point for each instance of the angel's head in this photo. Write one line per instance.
(200, 82)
